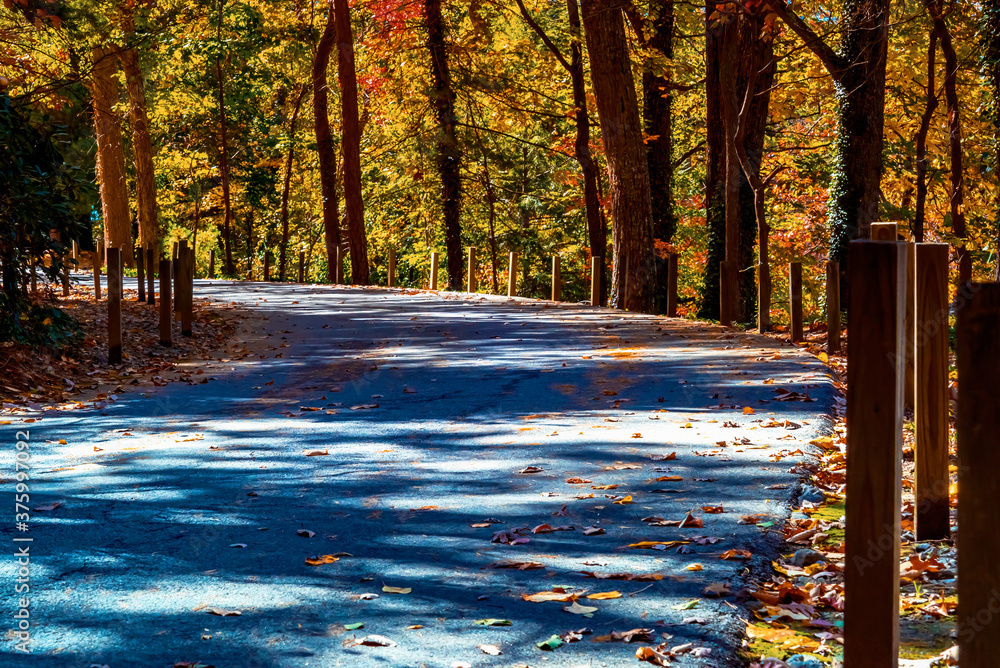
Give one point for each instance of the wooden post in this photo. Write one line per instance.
(795, 300)
(175, 251)
(672, 286)
(114, 306)
(512, 275)
(340, 266)
(884, 232)
(978, 427)
(180, 282)
(76, 250)
(140, 275)
(267, 266)
(874, 453)
(65, 276)
(728, 299)
(187, 302)
(392, 267)
(595, 280)
(150, 279)
(432, 284)
(556, 279)
(832, 307)
(34, 276)
(211, 263)
(623, 302)
(909, 389)
(931, 408)
(97, 275)
(473, 279)
(165, 313)
(302, 266)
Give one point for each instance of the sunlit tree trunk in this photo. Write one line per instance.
(991, 56)
(286, 188)
(449, 156)
(224, 158)
(351, 144)
(921, 142)
(634, 274)
(324, 144)
(145, 178)
(110, 158)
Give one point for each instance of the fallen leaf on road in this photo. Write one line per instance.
(657, 544)
(592, 531)
(747, 410)
(694, 567)
(519, 565)
(717, 590)
(653, 656)
(240, 545)
(49, 506)
(624, 502)
(578, 609)
(355, 626)
(604, 487)
(361, 407)
(492, 650)
(577, 481)
(396, 590)
(493, 622)
(669, 478)
(531, 469)
(557, 594)
(305, 533)
(712, 510)
(320, 560)
(604, 595)
(317, 453)
(663, 458)
(376, 641)
(733, 555)
(550, 644)
(219, 612)
(635, 635)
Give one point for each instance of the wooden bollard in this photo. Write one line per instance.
(931, 510)
(187, 302)
(34, 276)
(978, 427)
(832, 307)
(75, 251)
(340, 266)
(392, 267)
(890, 232)
(140, 275)
(114, 306)
(211, 263)
(512, 275)
(595, 280)
(166, 270)
(884, 232)
(556, 279)
(97, 275)
(672, 286)
(795, 300)
(302, 266)
(65, 276)
(472, 279)
(180, 281)
(150, 278)
(267, 266)
(433, 282)
(874, 453)
(175, 251)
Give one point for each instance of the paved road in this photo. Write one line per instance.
(189, 497)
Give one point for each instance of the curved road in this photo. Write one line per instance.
(429, 411)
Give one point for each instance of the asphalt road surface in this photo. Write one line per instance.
(382, 426)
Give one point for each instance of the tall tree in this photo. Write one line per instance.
(286, 188)
(597, 224)
(990, 38)
(858, 71)
(224, 154)
(351, 144)
(324, 143)
(957, 195)
(110, 158)
(145, 178)
(921, 141)
(634, 272)
(449, 157)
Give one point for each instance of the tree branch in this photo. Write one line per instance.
(545, 38)
(834, 64)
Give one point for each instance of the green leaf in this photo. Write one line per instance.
(355, 626)
(494, 622)
(550, 644)
(690, 605)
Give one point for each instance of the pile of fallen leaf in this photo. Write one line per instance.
(799, 610)
(35, 379)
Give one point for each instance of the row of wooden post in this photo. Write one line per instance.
(176, 292)
(899, 308)
(472, 283)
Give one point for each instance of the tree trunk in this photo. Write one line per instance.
(628, 172)
(921, 142)
(991, 51)
(715, 168)
(110, 158)
(449, 156)
(351, 144)
(324, 144)
(224, 158)
(955, 141)
(282, 264)
(145, 178)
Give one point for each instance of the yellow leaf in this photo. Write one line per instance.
(554, 595)
(604, 595)
(653, 544)
(747, 410)
(323, 559)
(397, 590)
(694, 567)
(627, 500)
